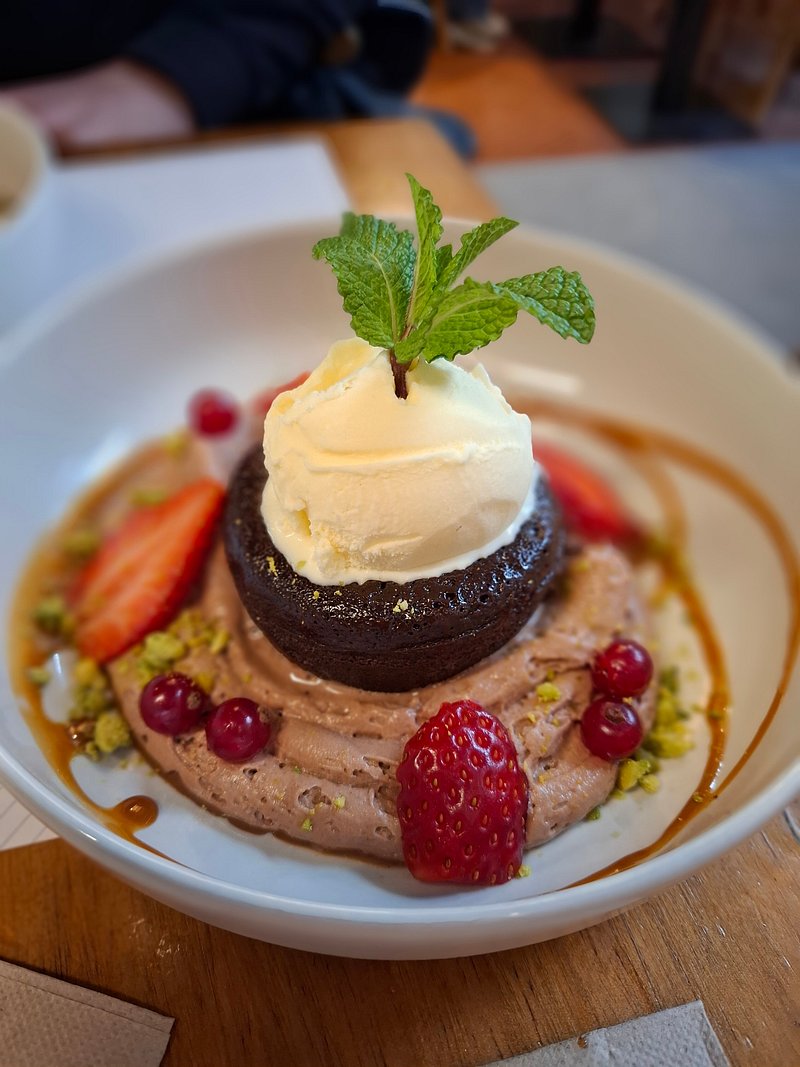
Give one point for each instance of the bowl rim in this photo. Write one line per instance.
(607, 893)
(611, 891)
(726, 317)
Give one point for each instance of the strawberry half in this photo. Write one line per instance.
(590, 507)
(463, 799)
(137, 580)
(262, 402)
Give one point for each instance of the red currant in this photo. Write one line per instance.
(172, 703)
(624, 669)
(611, 730)
(235, 730)
(212, 412)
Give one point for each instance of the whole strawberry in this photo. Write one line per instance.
(463, 799)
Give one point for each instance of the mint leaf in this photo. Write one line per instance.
(475, 313)
(556, 297)
(472, 244)
(468, 317)
(374, 265)
(429, 231)
(407, 350)
(443, 257)
(406, 300)
(447, 268)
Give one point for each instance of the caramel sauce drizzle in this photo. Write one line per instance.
(128, 816)
(644, 448)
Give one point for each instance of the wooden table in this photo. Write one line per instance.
(728, 935)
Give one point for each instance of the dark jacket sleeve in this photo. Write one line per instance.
(233, 58)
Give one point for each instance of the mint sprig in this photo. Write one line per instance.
(374, 264)
(405, 298)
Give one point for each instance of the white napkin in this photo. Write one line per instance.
(677, 1037)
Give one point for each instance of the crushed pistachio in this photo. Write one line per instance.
(82, 543)
(89, 701)
(650, 783)
(161, 650)
(594, 815)
(697, 798)
(616, 793)
(96, 725)
(271, 564)
(669, 678)
(205, 679)
(87, 672)
(547, 692)
(654, 761)
(316, 594)
(52, 616)
(307, 825)
(401, 605)
(175, 444)
(198, 632)
(631, 772)
(338, 802)
(219, 642)
(670, 737)
(39, 676)
(91, 692)
(191, 628)
(158, 653)
(531, 717)
(111, 732)
(146, 497)
(670, 742)
(524, 871)
(337, 592)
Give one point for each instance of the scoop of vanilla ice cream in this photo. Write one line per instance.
(365, 485)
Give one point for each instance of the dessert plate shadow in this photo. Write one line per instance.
(115, 363)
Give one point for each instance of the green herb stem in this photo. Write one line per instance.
(399, 371)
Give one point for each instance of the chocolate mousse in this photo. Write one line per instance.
(329, 780)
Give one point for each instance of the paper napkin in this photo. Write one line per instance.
(48, 1023)
(677, 1037)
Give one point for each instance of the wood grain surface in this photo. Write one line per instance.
(727, 936)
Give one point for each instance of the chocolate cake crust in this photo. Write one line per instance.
(387, 636)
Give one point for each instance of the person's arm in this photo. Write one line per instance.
(201, 63)
(110, 104)
(232, 58)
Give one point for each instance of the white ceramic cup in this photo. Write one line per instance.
(25, 226)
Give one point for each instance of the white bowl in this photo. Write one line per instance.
(24, 229)
(115, 365)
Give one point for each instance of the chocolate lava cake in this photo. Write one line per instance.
(384, 636)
